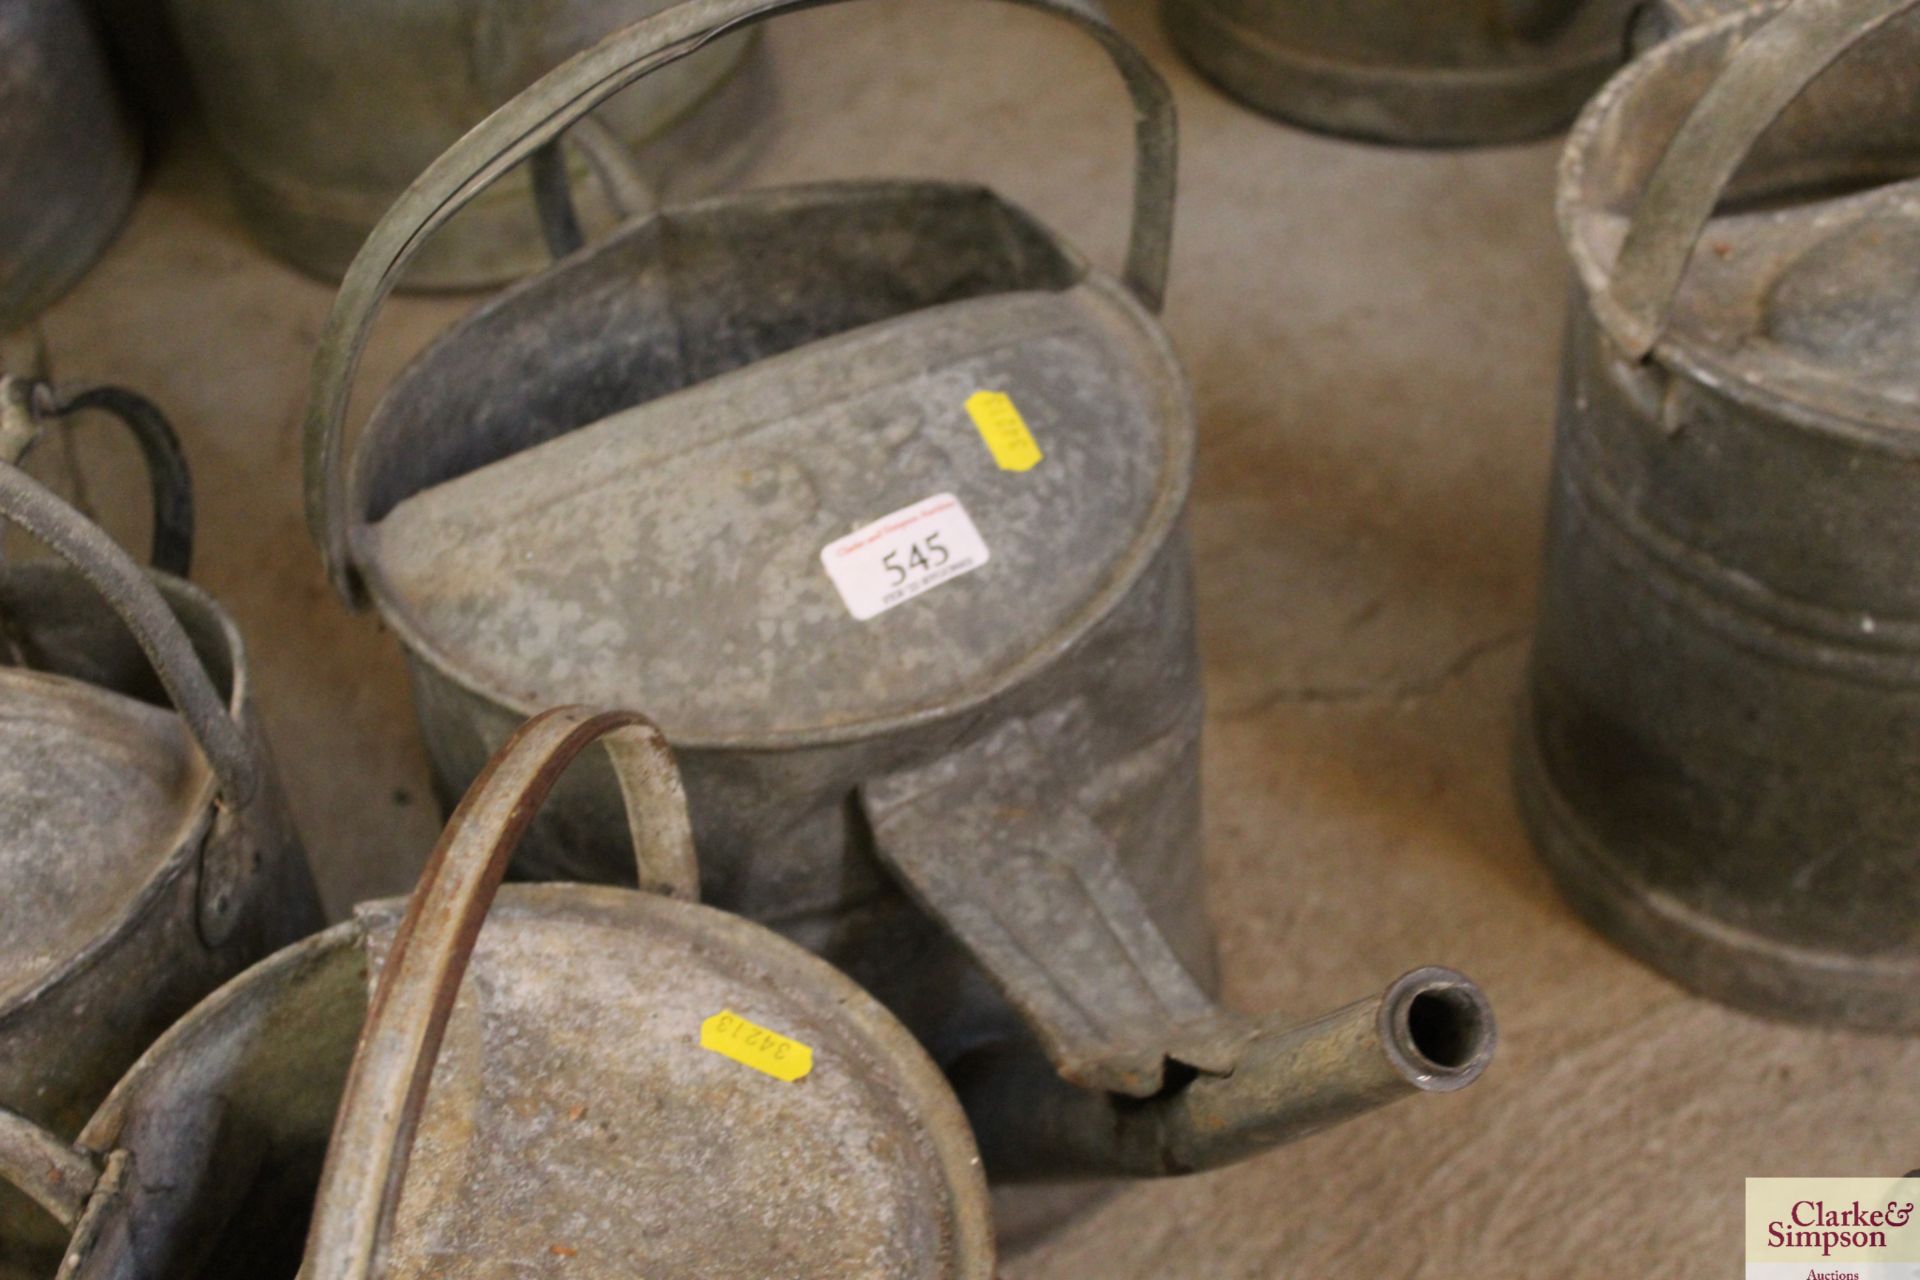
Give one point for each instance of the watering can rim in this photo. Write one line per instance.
(183, 856)
(543, 111)
(530, 900)
(1868, 420)
(167, 854)
(1175, 415)
(387, 1088)
(928, 1101)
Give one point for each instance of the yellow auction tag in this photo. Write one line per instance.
(732, 1036)
(1004, 430)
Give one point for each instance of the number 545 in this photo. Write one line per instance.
(921, 557)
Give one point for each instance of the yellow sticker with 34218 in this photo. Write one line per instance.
(999, 422)
(732, 1036)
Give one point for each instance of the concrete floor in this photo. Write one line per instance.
(1371, 337)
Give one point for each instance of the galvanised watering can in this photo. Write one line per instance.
(874, 495)
(587, 1080)
(1434, 73)
(1725, 693)
(68, 161)
(146, 854)
(324, 110)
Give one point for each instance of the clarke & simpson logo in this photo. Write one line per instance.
(1833, 1228)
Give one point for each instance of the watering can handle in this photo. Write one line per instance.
(541, 112)
(387, 1087)
(1763, 76)
(26, 404)
(49, 1172)
(612, 166)
(138, 603)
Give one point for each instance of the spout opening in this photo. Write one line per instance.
(1439, 1029)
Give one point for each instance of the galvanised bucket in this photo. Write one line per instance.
(68, 161)
(324, 111)
(627, 1084)
(874, 494)
(146, 854)
(1421, 73)
(1725, 706)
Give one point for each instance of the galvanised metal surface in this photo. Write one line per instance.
(68, 161)
(1657, 20)
(616, 483)
(1725, 698)
(553, 1110)
(146, 854)
(325, 110)
(1434, 74)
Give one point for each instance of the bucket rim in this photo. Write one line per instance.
(1868, 419)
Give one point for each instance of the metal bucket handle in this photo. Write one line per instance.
(26, 404)
(1761, 79)
(138, 603)
(546, 108)
(386, 1089)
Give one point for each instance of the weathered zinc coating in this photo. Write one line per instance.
(617, 482)
(1725, 705)
(574, 1121)
(1422, 74)
(325, 110)
(68, 161)
(146, 855)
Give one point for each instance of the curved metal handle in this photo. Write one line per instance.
(1761, 79)
(612, 166)
(52, 1174)
(542, 111)
(27, 403)
(138, 603)
(387, 1086)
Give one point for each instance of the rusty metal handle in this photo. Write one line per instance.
(540, 113)
(49, 1172)
(386, 1089)
(27, 403)
(138, 603)
(1761, 79)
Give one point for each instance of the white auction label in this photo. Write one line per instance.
(903, 554)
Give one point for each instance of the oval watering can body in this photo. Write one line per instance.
(68, 160)
(146, 854)
(1443, 74)
(324, 112)
(604, 1081)
(874, 495)
(1716, 763)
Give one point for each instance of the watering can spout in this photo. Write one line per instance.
(1432, 1031)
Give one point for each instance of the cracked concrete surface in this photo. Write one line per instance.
(1420, 685)
(1372, 340)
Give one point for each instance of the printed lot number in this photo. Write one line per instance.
(732, 1036)
(903, 554)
